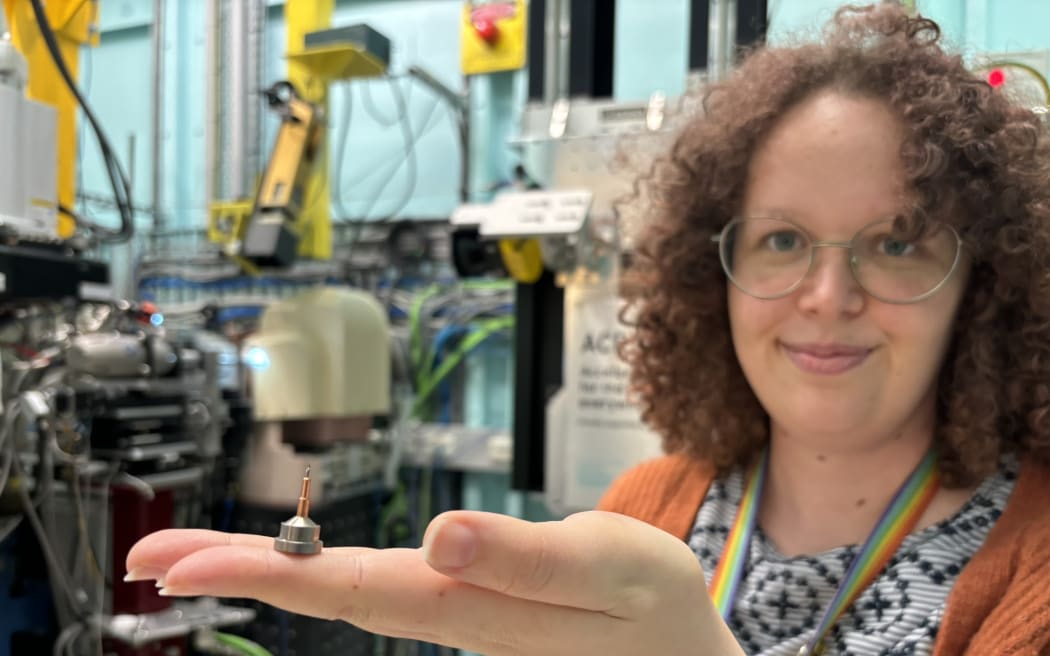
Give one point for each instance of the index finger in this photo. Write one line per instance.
(393, 592)
(153, 555)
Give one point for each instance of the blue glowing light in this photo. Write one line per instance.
(157, 319)
(257, 358)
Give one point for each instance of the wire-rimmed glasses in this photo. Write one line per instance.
(894, 261)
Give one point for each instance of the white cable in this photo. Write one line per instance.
(75, 600)
(7, 446)
(67, 639)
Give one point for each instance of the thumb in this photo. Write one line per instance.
(596, 561)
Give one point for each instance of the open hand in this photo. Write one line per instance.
(594, 583)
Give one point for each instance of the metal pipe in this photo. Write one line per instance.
(236, 54)
(211, 91)
(722, 38)
(564, 39)
(464, 144)
(157, 126)
(254, 81)
(222, 85)
(551, 35)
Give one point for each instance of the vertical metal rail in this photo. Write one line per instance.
(157, 125)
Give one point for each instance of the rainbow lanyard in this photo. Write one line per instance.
(896, 523)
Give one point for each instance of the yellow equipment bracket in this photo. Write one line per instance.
(226, 223)
(523, 259)
(315, 221)
(75, 23)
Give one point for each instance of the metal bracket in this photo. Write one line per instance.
(654, 114)
(559, 118)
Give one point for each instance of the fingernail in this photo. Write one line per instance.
(451, 546)
(144, 574)
(174, 592)
(160, 582)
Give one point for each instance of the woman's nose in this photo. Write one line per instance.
(830, 287)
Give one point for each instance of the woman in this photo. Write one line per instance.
(843, 334)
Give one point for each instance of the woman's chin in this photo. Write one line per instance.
(821, 420)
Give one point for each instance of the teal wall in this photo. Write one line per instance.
(970, 25)
(652, 48)
(652, 36)
(117, 75)
(424, 33)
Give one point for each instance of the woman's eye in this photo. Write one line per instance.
(896, 247)
(783, 241)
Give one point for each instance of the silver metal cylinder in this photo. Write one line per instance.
(239, 66)
(551, 51)
(211, 108)
(157, 125)
(299, 535)
(721, 39)
(564, 42)
(255, 80)
(236, 54)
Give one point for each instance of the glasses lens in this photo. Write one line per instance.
(898, 262)
(765, 257)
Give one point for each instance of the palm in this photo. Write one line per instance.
(593, 583)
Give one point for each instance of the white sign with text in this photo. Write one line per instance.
(593, 433)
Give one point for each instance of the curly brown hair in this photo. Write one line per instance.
(974, 159)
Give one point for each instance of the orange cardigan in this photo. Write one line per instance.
(1000, 603)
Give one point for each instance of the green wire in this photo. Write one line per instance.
(416, 324)
(425, 502)
(243, 645)
(484, 330)
(396, 508)
(498, 284)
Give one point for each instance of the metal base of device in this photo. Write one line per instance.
(299, 535)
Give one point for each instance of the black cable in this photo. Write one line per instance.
(86, 80)
(340, 148)
(117, 177)
(373, 111)
(409, 160)
(62, 209)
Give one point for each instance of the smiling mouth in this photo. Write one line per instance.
(826, 359)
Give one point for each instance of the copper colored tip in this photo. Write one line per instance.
(304, 496)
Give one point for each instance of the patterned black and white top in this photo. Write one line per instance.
(781, 600)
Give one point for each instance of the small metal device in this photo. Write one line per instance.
(300, 534)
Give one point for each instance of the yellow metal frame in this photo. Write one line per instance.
(75, 23)
(338, 62)
(310, 70)
(226, 222)
(315, 219)
(523, 258)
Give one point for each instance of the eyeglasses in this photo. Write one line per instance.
(895, 261)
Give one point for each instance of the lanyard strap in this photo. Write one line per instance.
(896, 523)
